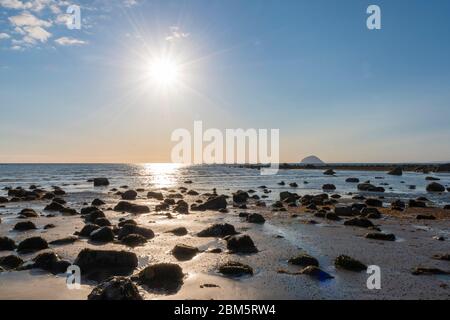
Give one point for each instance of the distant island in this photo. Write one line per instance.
(312, 160)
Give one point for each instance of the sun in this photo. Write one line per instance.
(164, 72)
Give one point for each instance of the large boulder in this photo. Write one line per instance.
(348, 263)
(184, 252)
(234, 268)
(100, 182)
(241, 244)
(213, 203)
(101, 264)
(165, 276)
(218, 231)
(435, 187)
(115, 288)
(129, 195)
(7, 244)
(128, 229)
(32, 244)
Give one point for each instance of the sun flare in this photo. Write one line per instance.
(164, 72)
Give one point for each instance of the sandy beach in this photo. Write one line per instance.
(288, 231)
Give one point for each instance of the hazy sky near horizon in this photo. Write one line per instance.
(309, 68)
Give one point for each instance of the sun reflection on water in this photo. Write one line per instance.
(162, 174)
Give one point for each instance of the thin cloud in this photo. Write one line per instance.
(4, 36)
(66, 41)
(176, 34)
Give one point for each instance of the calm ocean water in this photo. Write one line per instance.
(73, 178)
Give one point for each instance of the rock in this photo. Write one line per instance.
(329, 172)
(255, 218)
(49, 261)
(343, 211)
(348, 263)
(98, 202)
(32, 244)
(447, 207)
(234, 268)
(304, 260)
(54, 206)
(317, 273)
(115, 288)
(293, 185)
(102, 222)
(429, 271)
(28, 213)
(64, 241)
(240, 197)
(370, 187)
(10, 262)
(396, 172)
(182, 207)
(128, 229)
(155, 195)
(180, 231)
(101, 264)
(7, 244)
(3, 200)
(49, 226)
(134, 240)
(416, 204)
(94, 215)
(359, 222)
(125, 206)
(445, 257)
(329, 187)
(352, 180)
(88, 229)
(332, 216)
(374, 202)
(432, 179)
(398, 205)
(241, 244)
(100, 182)
(435, 187)
(127, 221)
(288, 197)
(218, 231)
(102, 234)
(213, 203)
(184, 252)
(129, 195)
(24, 226)
(162, 276)
(381, 236)
(192, 193)
(425, 217)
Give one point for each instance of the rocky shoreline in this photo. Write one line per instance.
(159, 243)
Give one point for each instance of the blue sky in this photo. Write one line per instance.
(310, 68)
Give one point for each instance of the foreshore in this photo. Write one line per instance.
(178, 243)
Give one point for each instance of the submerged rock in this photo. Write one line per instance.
(162, 276)
(348, 263)
(115, 288)
(304, 260)
(218, 231)
(32, 244)
(101, 264)
(184, 252)
(235, 268)
(241, 244)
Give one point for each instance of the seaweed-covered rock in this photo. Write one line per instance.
(10, 262)
(7, 244)
(241, 244)
(32, 244)
(115, 288)
(162, 276)
(101, 264)
(304, 260)
(381, 236)
(348, 263)
(133, 240)
(184, 252)
(234, 268)
(218, 230)
(128, 229)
